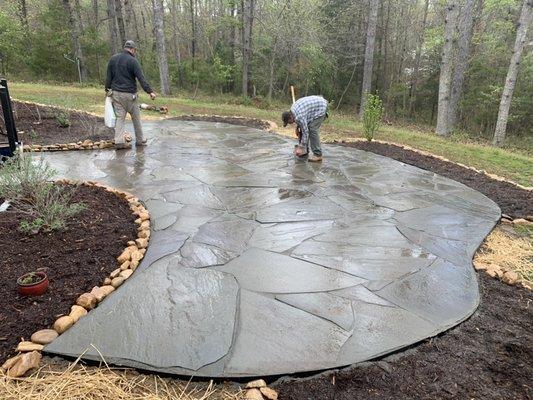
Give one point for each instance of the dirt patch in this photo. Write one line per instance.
(44, 125)
(487, 357)
(75, 260)
(514, 201)
(242, 121)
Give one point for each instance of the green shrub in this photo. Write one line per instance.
(27, 186)
(63, 120)
(372, 116)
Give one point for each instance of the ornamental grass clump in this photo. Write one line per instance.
(372, 116)
(27, 185)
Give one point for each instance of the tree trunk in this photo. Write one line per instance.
(95, 14)
(248, 17)
(465, 37)
(160, 46)
(232, 43)
(526, 17)
(75, 37)
(175, 40)
(112, 24)
(446, 69)
(23, 13)
(369, 52)
(416, 72)
(130, 27)
(192, 9)
(120, 22)
(78, 15)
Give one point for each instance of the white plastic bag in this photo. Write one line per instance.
(110, 118)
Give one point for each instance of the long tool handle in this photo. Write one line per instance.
(292, 93)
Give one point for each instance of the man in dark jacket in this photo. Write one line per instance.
(123, 70)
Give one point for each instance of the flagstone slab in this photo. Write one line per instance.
(324, 305)
(269, 272)
(259, 264)
(184, 318)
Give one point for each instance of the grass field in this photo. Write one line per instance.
(513, 164)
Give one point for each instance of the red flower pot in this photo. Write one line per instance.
(33, 289)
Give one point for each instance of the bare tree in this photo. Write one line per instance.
(524, 22)
(23, 14)
(418, 56)
(161, 50)
(113, 29)
(75, 32)
(369, 52)
(446, 69)
(120, 21)
(466, 23)
(248, 18)
(192, 9)
(130, 25)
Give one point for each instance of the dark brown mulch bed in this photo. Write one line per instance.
(75, 259)
(513, 201)
(41, 125)
(490, 356)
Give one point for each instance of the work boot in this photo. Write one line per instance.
(122, 146)
(315, 158)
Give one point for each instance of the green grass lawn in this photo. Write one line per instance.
(513, 164)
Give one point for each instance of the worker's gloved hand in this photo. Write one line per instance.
(300, 150)
(153, 95)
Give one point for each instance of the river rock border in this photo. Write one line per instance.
(84, 145)
(127, 262)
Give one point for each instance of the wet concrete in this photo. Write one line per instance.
(260, 264)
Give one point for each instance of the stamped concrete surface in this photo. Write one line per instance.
(260, 264)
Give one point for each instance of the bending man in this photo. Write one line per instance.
(308, 113)
(123, 70)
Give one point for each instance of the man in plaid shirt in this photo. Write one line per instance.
(308, 113)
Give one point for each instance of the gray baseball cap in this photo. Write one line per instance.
(130, 44)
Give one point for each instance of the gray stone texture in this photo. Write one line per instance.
(260, 264)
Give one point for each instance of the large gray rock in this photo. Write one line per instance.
(264, 271)
(165, 316)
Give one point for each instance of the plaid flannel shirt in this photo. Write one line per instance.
(306, 110)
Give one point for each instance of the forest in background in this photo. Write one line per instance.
(439, 63)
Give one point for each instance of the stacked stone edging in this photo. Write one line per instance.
(29, 351)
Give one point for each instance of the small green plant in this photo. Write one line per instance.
(31, 278)
(63, 120)
(43, 205)
(33, 134)
(372, 115)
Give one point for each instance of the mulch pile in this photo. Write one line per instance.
(76, 260)
(489, 356)
(41, 125)
(513, 201)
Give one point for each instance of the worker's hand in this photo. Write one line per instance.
(300, 150)
(153, 95)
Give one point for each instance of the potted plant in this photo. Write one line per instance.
(33, 283)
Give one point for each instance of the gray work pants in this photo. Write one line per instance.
(314, 135)
(125, 103)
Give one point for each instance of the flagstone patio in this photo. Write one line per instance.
(260, 264)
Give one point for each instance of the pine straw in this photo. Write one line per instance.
(78, 382)
(510, 252)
